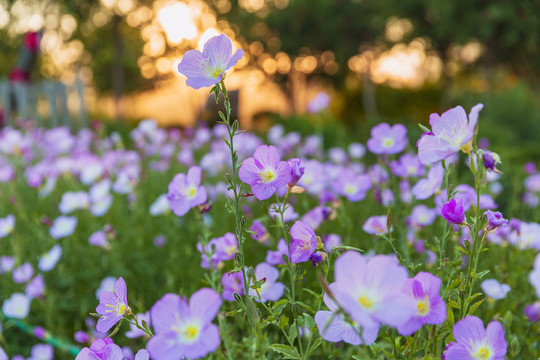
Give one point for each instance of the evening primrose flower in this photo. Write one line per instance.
(495, 290)
(17, 306)
(112, 306)
(451, 132)
(350, 185)
(101, 349)
(184, 329)
(476, 342)
(453, 211)
(303, 242)
(63, 226)
(48, 261)
(185, 192)
(265, 172)
(232, 283)
(386, 139)
(270, 289)
(7, 225)
(206, 68)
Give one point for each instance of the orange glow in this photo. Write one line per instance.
(177, 21)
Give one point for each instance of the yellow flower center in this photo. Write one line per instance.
(483, 353)
(306, 244)
(192, 191)
(467, 148)
(191, 331)
(365, 301)
(388, 142)
(216, 72)
(423, 306)
(350, 189)
(121, 309)
(267, 175)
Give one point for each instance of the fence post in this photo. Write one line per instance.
(62, 94)
(5, 98)
(50, 91)
(21, 99)
(82, 105)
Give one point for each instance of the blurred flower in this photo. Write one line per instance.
(276, 257)
(36, 287)
(182, 329)
(81, 337)
(72, 201)
(207, 68)
(135, 332)
(422, 215)
(491, 160)
(532, 311)
(101, 349)
(376, 225)
(63, 226)
(270, 289)
(495, 219)
(185, 192)
(288, 215)
(493, 289)
(426, 187)
(17, 306)
(7, 225)
(451, 132)
(357, 151)
(303, 242)
(386, 139)
(6, 264)
(319, 103)
(297, 170)
(453, 211)
(353, 187)
(264, 172)
(476, 342)
(160, 240)
(23, 273)
(160, 206)
(99, 238)
(408, 165)
(112, 306)
(232, 283)
(424, 289)
(41, 352)
(330, 241)
(48, 261)
(260, 233)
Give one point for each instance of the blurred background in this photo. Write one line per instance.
(385, 60)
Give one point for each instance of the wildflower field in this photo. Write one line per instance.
(220, 243)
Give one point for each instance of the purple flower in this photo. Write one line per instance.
(81, 337)
(495, 290)
(370, 290)
(424, 188)
(23, 273)
(303, 242)
(112, 306)
(6, 264)
(330, 241)
(184, 329)
(356, 150)
(422, 215)
(375, 225)
(316, 216)
(387, 140)
(63, 226)
(453, 211)
(491, 160)
(185, 192)
(408, 166)
(207, 68)
(476, 342)
(41, 352)
(36, 287)
(101, 349)
(265, 172)
(17, 306)
(40, 332)
(99, 238)
(276, 257)
(353, 187)
(260, 233)
(451, 132)
(532, 311)
(270, 289)
(219, 249)
(297, 170)
(232, 283)
(430, 308)
(334, 327)
(495, 219)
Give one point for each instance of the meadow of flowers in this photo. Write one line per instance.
(218, 243)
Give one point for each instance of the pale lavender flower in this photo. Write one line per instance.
(81, 337)
(101, 349)
(426, 187)
(337, 155)
(270, 290)
(112, 306)
(206, 68)
(386, 139)
(330, 241)
(63, 226)
(232, 283)
(99, 238)
(107, 284)
(476, 342)
(218, 249)
(334, 327)
(422, 216)
(316, 216)
(264, 172)
(528, 237)
(288, 215)
(17, 306)
(276, 257)
(532, 311)
(72, 201)
(375, 225)
(451, 132)
(7, 225)
(185, 192)
(495, 290)
(135, 332)
(36, 287)
(408, 165)
(184, 329)
(370, 290)
(320, 102)
(48, 261)
(41, 352)
(6, 264)
(430, 308)
(303, 242)
(352, 186)
(297, 170)
(357, 150)
(314, 178)
(23, 273)
(160, 206)
(160, 240)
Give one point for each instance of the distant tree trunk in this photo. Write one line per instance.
(368, 95)
(117, 69)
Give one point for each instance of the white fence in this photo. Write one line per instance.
(20, 101)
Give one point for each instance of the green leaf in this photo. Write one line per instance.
(287, 351)
(482, 274)
(475, 306)
(309, 291)
(283, 321)
(305, 306)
